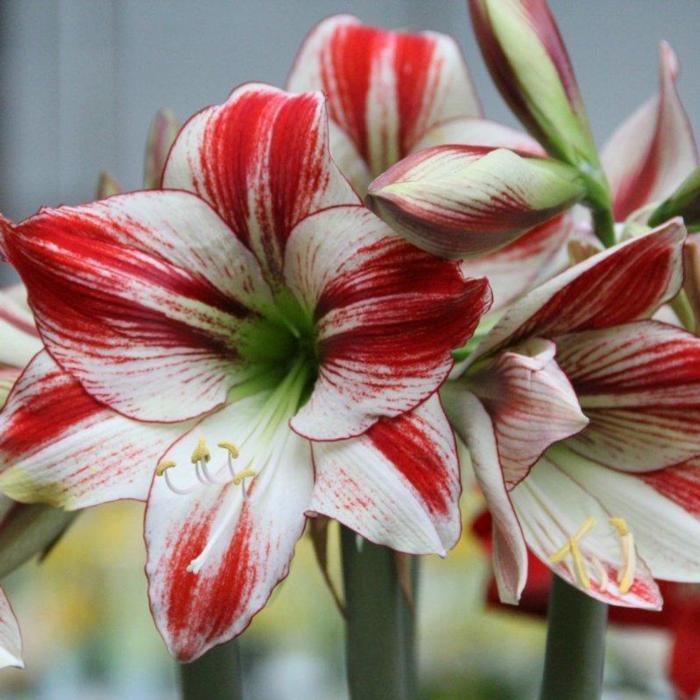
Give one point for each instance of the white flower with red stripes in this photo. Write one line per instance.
(259, 336)
(582, 418)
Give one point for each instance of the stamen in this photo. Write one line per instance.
(242, 475)
(571, 547)
(625, 577)
(601, 573)
(164, 466)
(201, 452)
(230, 448)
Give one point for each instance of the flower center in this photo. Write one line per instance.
(572, 549)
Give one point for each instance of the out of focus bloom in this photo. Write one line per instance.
(528, 61)
(685, 202)
(232, 329)
(161, 136)
(457, 201)
(575, 362)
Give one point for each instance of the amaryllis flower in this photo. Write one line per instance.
(680, 616)
(392, 93)
(264, 339)
(575, 362)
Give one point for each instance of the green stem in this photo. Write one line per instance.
(604, 226)
(379, 628)
(575, 656)
(216, 674)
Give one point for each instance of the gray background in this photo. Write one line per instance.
(81, 79)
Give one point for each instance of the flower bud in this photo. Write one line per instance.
(107, 185)
(161, 134)
(685, 202)
(528, 61)
(458, 201)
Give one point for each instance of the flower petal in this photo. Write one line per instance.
(621, 284)
(652, 152)
(396, 485)
(473, 131)
(661, 509)
(456, 201)
(213, 555)
(474, 425)
(385, 89)
(145, 298)
(387, 315)
(552, 507)
(262, 161)
(513, 269)
(640, 386)
(20, 340)
(531, 404)
(10, 638)
(59, 446)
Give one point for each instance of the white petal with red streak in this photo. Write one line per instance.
(639, 384)
(59, 446)
(474, 425)
(262, 161)
(20, 340)
(10, 638)
(388, 316)
(143, 298)
(240, 548)
(551, 507)
(621, 284)
(396, 485)
(661, 509)
(652, 152)
(385, 89)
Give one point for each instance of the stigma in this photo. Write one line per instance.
(572, 548)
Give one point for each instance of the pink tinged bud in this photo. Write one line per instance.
(459, 201)
(528, 61)
(107, 185)
(161, 135)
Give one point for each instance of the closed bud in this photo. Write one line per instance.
(161, 135)
(107, 185)
(685, 202)
(458, 201)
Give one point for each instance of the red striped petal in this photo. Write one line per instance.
(59, 446)
(621, 284)
(262, 161)
(140, 297)
(652, 152)
(396, 485)
(10, 638)
(388, 316)
(385, 89)
(639, 384)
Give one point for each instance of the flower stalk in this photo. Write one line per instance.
(215, 674)
(575, 655)
(380, 635)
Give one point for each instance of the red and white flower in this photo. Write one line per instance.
(393, 93)
(261, 337)
(613, 503)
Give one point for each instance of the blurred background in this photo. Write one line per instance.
(81, 80)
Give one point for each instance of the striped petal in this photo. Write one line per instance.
(146, 298)
(20, 340)
(554, 509)
(661, 509)
(10, 638)
(215, 554)
(621, 284)
(456, 201)
(262, 161)
(385, 89)
(59, 446)
(513, 269)
(473, 424)
(531, 404)
(396, 485)
(652, 152)
(387, 316)
(639, 384)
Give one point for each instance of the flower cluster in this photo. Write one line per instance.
(320, 284)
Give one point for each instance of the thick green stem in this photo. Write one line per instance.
(216, 674)
(379, 628)
(604, 226)
(573, 668)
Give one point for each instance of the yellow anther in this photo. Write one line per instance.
(588, 524)
(245, 474)
(561, 553)
(625, 577)
(164, 466)
(230, 448)
(200, 452)
(580, 567)
(572, 548)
